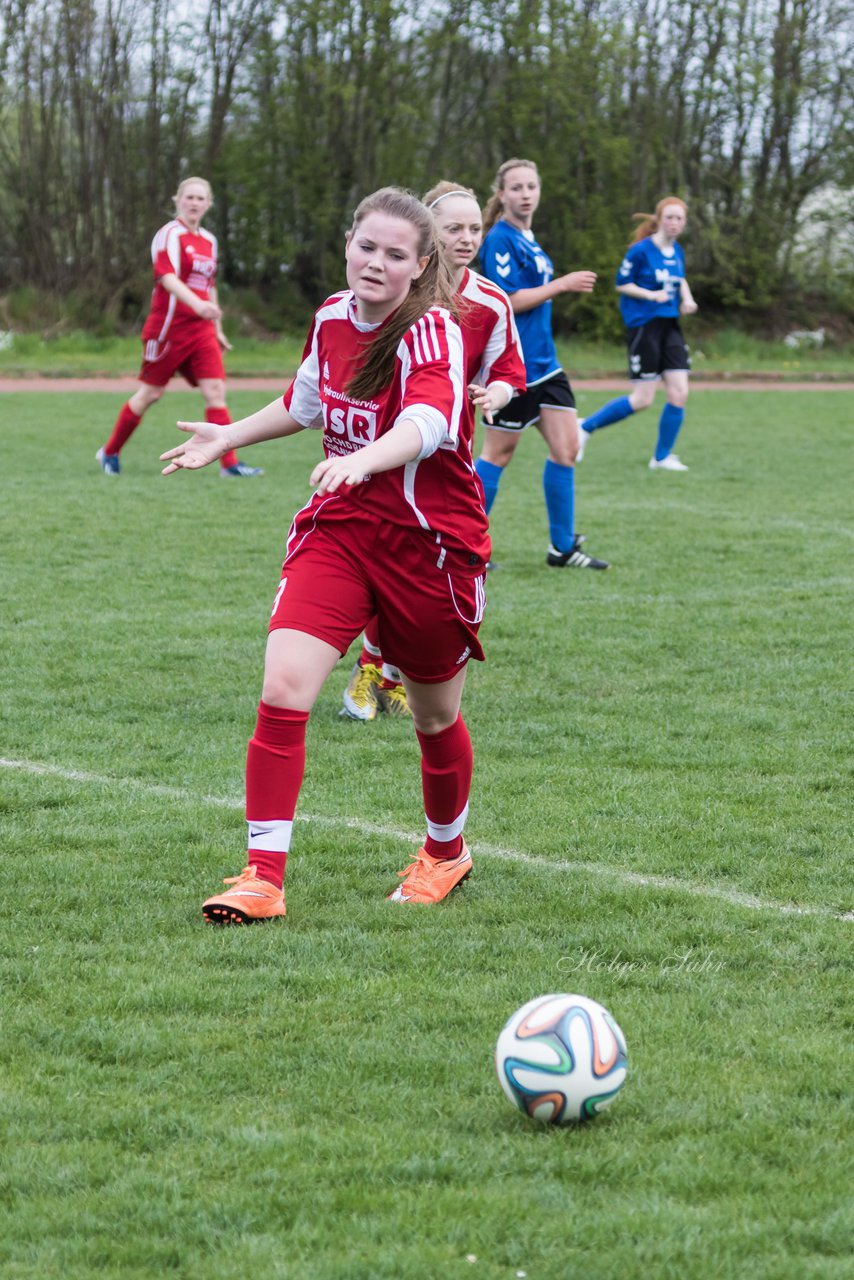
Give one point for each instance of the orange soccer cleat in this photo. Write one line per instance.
(249, 901)
(429, 880)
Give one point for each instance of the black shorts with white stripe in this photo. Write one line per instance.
(524, 410)
(657, 347)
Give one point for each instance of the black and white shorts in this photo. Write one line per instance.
(657, 347)
(524, 410)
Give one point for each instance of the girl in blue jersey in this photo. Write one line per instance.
(653, 294)
(512, 258)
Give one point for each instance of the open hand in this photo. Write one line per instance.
(208, 443)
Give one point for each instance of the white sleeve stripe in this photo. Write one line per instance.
(424, 333)
(162, 238)
(425, 340)
(306, 406)
(405, 358)
(416, 347)
(455, 341)
(173, 248)
(433, 336)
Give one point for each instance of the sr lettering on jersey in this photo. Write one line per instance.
(358, 425)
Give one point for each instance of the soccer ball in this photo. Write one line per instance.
(561, 1058)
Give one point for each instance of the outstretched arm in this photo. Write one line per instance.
(209, 441)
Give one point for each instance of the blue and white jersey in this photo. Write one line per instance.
(651, 268)
(513, 260)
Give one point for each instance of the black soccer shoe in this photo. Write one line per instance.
(575, 558)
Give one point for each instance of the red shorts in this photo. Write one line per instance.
(338, 575)
(192, 351)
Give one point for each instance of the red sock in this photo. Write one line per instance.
(446, 769)
(222, 418)
(275, 763)
(126, 423)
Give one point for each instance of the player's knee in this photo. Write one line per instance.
(213, 393)
(432, 720)
(565, 453)
(678, 398)
(499, 453)
(282, 689)
(642, 396)
(144, 397)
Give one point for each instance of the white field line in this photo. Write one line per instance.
(632, 879)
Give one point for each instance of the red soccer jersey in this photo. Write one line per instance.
(192, 257)
(439, 494)
(490, 337)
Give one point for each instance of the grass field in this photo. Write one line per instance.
(727, 353)
(660, 820)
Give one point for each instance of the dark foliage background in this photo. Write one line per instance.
(295, 108)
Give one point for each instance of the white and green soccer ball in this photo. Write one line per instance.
(561, 1058)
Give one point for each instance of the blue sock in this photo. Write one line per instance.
(669, 425)
(490, 477)
(559, 488)
(613, 411)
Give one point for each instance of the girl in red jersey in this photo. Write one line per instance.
(396, 528)
(183, 331)
(495, 371)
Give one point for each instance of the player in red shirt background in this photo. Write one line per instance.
(183, 332)
(495, 370)
(395, 529)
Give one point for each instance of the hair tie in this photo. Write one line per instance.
(445, 195)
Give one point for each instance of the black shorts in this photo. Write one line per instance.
(524, 410)
(655, 348)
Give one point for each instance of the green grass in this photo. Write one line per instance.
(315, 1100)
(716, 355)
(81, 354)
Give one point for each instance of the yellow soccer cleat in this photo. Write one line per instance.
(360, 696)
(391, 700)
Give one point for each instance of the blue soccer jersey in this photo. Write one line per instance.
(513, 260)
(648, 266)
